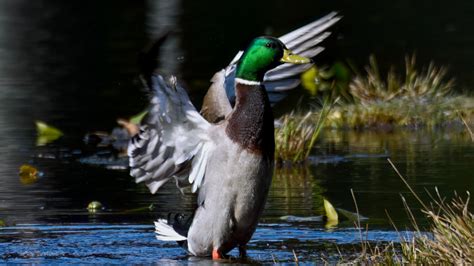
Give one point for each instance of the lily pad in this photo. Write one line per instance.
(46, 133)
(2, 223)
(28, 174)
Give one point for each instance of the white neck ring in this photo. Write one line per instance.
(246, 82)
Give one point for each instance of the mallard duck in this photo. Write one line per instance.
(220, 97)
(230, 163)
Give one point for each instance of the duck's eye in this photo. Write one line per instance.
(270, 45)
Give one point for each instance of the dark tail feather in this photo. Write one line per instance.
(180, 222)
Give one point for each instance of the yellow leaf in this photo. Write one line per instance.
(28, 174)
(46, 133)
(331, 213)
(330, 224)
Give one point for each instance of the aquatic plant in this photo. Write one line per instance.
(466, 124)
(292, 138)
(449, 239)
(417, 86)
(419, 98)
(402, 113)
(295, 135)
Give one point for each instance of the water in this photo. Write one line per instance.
(73, 65)
(128, 244)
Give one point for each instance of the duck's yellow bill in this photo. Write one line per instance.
(289, 57)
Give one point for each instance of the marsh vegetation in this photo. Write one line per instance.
(446, 239)
(419, 99)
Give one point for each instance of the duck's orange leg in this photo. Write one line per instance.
(216, 254)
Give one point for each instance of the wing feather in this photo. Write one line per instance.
(172, 137)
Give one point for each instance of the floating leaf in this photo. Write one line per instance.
(28, 174)
(351, 216)
(94, 206)
(331, 214)
(46, 133)
(136, 119)
(330, 224)
(2, 223)
(45, 129)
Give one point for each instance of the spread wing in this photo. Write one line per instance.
(304, 41)
(173, 140)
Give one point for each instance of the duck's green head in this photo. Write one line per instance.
(263, 54)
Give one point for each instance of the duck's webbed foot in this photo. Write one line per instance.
(217, 255)
(243, 251)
